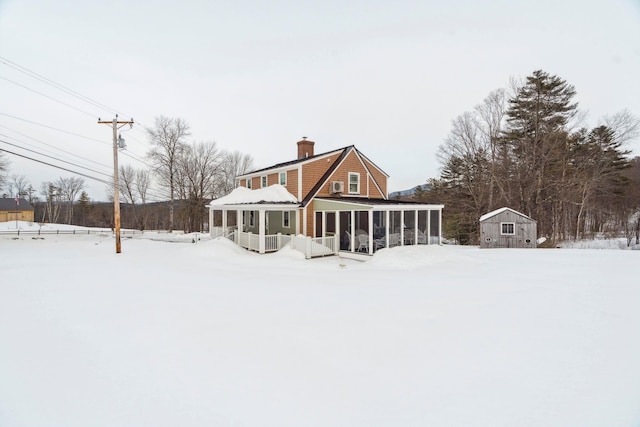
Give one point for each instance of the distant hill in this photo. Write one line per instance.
(408, 193)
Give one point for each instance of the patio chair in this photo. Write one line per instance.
(422, 238)
(408, 237)
(363, 243)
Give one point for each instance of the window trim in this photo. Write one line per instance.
(282, 181)
(502, 228)
(286, 219)
(248, 183)
(264, 181)
(357, 184)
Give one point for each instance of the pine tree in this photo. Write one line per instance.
(536, 139)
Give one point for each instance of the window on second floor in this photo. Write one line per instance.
(283, 178)
(354, 183)
(263, 181)
(248, 182)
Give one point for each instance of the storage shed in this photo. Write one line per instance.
(506, 228)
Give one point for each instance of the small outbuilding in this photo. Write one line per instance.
(15, 210)
(506, 228)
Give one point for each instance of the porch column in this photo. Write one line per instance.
(370, 216)
(415, 227)
(224, 222)
(261, 228)
(401, 227)
(211, 223)
(337, 236)
(428, 231)
(386, 229)
(298, 217)
(439, 226)
(353, 231)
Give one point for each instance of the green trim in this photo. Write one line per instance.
(326, 205)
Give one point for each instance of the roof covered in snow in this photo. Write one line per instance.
(499, 211)
(274, 194)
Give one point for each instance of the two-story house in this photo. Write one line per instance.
(337, 198)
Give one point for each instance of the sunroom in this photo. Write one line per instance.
(364, 226)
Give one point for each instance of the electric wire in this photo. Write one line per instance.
(57, 159)
(54, 128)
(49, 145)
(47, 96)
(59, 86)
(56, 166)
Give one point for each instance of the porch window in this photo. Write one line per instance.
(354, 183)
(283, 178)
(285, 219)
(507, 228)
(263, 181)
(252, 219)
(248, 183)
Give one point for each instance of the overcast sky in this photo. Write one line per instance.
(386, 76)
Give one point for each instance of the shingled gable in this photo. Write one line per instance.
(336, 164)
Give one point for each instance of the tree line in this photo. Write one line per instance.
(525, 147)
(183, 174)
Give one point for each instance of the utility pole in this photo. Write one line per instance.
(116, 187)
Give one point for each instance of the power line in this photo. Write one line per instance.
(151, 196)
(55, 158)
(49, 145)
(55, 166)
(56, 129)
(47, 96)
(59, 86)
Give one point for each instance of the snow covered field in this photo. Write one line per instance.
(207, 334)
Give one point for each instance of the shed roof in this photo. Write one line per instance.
(9, 204)
(499, 211)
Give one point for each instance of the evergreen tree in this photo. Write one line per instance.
(536, 140)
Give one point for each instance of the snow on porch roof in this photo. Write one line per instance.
(275, 193)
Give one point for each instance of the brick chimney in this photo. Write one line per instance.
(305, 148)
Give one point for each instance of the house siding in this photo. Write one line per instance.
(351, 163)
(311, 226)
(6, 216)
(379, 177)
(313, 171)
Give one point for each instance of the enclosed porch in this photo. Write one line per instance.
(365, 226)
(265, 229)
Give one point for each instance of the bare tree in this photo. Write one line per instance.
(235, 163)
(134, 185)
(4, 168)
(201, 168)
(69, 189)
(168, 140)
(52, 196)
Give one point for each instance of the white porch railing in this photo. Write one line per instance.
(315, 247)
(217, 232)
(310, 247)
